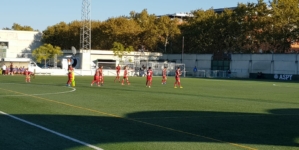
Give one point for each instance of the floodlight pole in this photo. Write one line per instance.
(183, 42)
(182, 48)
(85, 35)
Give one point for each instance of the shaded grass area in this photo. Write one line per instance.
(205, 114)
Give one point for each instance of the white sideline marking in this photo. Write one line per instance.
(51, 131)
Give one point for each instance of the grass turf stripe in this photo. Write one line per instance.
(134, 120)
(52, 131)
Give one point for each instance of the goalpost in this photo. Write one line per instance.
(157, 68)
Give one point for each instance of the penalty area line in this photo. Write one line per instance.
(52, 131)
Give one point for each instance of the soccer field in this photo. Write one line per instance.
(206, 114)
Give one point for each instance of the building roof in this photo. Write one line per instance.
(16, 59)
(188, 15)
(220, 10)
(178, 15)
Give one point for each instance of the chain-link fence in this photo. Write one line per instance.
(215, 74)
(158, 67)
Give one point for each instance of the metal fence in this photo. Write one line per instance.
(157, 68)
(215, 74)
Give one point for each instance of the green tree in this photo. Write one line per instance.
(120, 50)
(16, 26)
(97, 37)
(247, 29)
(6, 28)
(46, 52)
(64, 35)
(121, 29)
(199, 31)
(284, 23)
(167, 29)
(148, 37)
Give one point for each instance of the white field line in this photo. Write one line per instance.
(54, 93)
(51, 131)
(255, 82)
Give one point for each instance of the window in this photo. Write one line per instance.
(107, 64)
(220, 65)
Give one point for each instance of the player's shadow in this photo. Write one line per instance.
(278, 127)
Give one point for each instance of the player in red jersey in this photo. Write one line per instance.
(164, 75)
(149, 77)
(125, 76)
(177, 78)
(117, 68)
(70, 75)
(70, 78)
(27, 73)
(101, 75)
(96, 78)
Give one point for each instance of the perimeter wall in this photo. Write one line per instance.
(242, 64)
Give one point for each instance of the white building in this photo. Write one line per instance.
(16, 46)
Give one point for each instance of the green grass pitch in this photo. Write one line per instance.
(207, 114)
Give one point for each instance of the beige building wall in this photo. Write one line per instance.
(20, 43)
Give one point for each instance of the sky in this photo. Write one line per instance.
(39, 14)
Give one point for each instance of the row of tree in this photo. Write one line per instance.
(249, 28)
(19, 27)
(140, 31)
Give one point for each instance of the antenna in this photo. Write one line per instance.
(85, 33)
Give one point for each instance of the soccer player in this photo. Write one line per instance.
(70, 79)
(27, 74)
(101, 75)
(11, 69)
(164, 75)
(70, 76)
(4, 69)
(96, 78)
(125, 76)
(177, 78)
(149, 77)
(117, 73)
